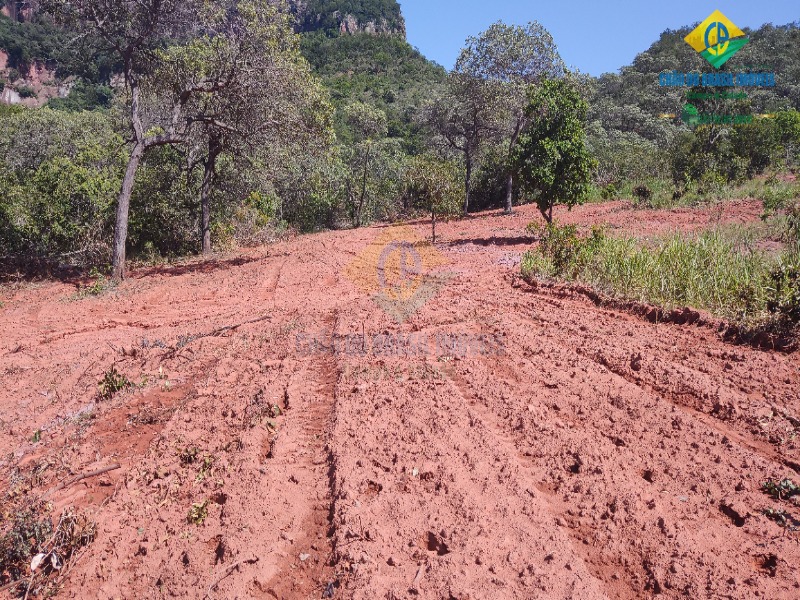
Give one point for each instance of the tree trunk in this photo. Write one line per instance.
(467, 184)
(123, 209)
(205, 195)
(547, 212)
(363, 187)
(433, 224)
(509, 193)
(510, 181)
(124, 199)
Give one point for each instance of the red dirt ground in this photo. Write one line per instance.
(580, 452)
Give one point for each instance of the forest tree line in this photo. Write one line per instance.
(191, 125)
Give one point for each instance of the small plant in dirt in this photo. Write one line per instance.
(113, 382)
(198, 513)
(34, 554)
(101, 284)
(188, 456)
(781, 490)
(782, 518)
(37, 436)
(22, 537)
(261, 410)
(206, 467)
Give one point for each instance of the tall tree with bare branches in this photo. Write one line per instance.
(515, 58)
(132, 31)
(250, 89)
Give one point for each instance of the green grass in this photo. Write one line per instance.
(721, 271)
(771, 190)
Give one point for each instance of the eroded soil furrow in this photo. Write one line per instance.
(587, 454)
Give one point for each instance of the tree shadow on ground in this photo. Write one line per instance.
(520, 240)
(196, 266)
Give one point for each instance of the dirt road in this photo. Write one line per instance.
(359, 415)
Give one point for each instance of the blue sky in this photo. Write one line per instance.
(439, 27)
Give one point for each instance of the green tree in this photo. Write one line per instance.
(243, 86)
(516, 58)
(368, 156)
(551, 158)
(434, 185)
(132, 31)
(466, 116)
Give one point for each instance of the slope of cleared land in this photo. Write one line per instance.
(537, 446)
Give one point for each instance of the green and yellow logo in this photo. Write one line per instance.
(717, 39)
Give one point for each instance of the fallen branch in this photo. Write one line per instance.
(418, 577)
(83, 476)
(182, 343)
(10, 584)
(228, 571)
(232, 327)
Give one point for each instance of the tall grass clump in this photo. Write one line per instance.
(719, 271)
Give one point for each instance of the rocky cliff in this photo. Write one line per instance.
(377, 17)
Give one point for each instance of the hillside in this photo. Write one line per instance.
(383, 71)
(630, 100)
(551, 432)
(359, 49)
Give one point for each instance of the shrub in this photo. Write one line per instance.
(59, 177)
(566, 252)
(84, 96)
(784, 301)
(113, 381)
(23, 534)
(610, 191)
(643, 194)
(26, 91)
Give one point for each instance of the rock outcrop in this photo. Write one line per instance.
(349, 18)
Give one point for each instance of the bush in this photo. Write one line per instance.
(26, 91)
(643, 194)
(84, 96)
(624, 157)
(164, 219)
(610, 191)
(784, 298)
(59, 176)
(489, 180)
(564, 252)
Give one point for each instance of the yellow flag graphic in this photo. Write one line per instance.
(713, 34)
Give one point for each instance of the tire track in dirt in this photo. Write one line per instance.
(604, 573)
(712, 420)
(414, 515)
(310, 398)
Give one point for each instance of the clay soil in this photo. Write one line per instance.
(539, 446)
